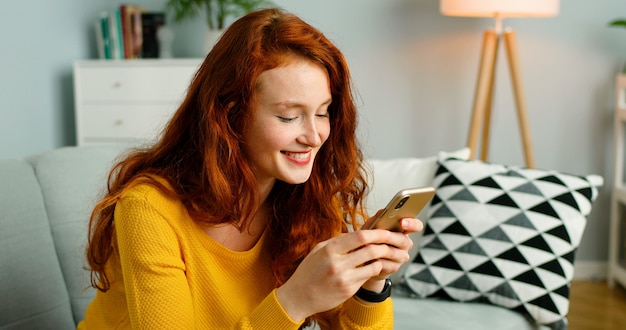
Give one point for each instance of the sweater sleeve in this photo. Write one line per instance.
(357, 316)
(268, 315)
(156, 289)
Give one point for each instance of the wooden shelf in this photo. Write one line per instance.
(617, 241)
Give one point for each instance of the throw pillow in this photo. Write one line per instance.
(503, 235)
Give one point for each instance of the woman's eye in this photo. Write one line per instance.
(286, 119)
(322, 115)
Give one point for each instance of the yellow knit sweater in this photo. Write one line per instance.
(171, 275)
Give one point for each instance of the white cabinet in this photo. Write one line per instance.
(128, 101)
(617, 247)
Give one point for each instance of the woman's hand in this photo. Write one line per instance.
(376, 283)
(336, 268)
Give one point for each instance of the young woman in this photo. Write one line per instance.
(238, 216)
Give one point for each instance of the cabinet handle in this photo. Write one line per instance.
(117, 84)
(118, 122)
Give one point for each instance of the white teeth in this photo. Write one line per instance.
(297, 155)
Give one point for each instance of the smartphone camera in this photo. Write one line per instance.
(401, 202)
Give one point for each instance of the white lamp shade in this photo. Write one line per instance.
(499, 8)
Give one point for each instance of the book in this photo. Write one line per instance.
(126, 37)
(136, 34)
(115, 35)
(99, 39)
(104, 32)
(150, 24)
(120, 33)
(131, 29)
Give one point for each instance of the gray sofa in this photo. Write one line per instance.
(45, 202)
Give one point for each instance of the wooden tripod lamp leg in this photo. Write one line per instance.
(483, 86)
(484, 149)
(518, 89)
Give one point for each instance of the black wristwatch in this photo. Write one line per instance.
(375, 297)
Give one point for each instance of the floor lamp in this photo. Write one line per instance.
(483, 98)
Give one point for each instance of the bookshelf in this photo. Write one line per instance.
(617, 241)
(127, 101)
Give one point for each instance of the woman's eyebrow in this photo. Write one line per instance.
(296, 104)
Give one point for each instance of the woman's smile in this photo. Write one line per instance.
(300, 158)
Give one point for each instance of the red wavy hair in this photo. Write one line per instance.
(200, 151)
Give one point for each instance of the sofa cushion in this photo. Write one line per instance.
(503, 235)
(388, 176)
(32, 291)
(434, 314)
(72, 180)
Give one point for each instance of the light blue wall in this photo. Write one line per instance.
(414, 70)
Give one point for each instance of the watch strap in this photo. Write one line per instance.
(375, 297)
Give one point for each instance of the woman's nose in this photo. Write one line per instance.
(311, 135)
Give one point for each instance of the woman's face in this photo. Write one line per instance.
(289, 121)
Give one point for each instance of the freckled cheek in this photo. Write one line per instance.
(324, 133)
(277, 139)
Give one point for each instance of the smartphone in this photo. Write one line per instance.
(407, 203)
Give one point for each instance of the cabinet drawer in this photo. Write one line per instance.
(141, 83)
(124, 123)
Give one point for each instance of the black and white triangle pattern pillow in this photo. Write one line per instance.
(503, 235)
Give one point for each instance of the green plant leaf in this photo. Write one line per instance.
(217, 11)
(184, 9)
(618, 22)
